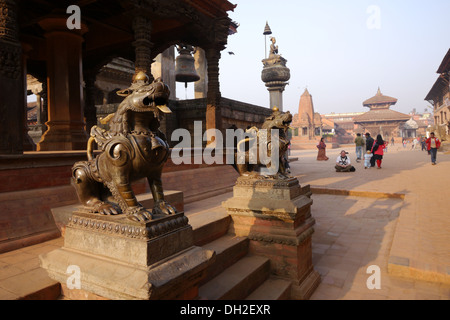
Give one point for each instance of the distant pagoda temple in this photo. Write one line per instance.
(380, 119)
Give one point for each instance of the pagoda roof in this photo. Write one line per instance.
(445, 65)
(379, 98)
(375, 115)
(437, 89)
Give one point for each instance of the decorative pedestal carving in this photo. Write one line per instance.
(122, 259)
(276, 216)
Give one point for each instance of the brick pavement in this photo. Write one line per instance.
(407, 234)
(407, 238)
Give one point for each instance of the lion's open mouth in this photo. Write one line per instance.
(159, 101)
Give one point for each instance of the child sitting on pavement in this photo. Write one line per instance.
(367, 158)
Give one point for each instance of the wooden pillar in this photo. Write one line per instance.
(142, 28)
(64, 84)
(12, 92)
(213, 98)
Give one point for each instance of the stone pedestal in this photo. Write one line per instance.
(276, 216)
(121, 259)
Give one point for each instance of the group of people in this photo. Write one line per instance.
(373, 149)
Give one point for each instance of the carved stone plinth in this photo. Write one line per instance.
(122, 259)
(276, 216)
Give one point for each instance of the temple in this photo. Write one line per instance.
(307, 124)
(75, 74)
(380, 119)
(35, 40)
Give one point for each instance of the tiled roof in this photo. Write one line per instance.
(382, 115)
(379, 98)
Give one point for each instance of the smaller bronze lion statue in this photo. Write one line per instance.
(247, 162)
(132, 148)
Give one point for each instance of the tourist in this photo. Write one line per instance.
(343, 163)
(392, 140)
(367, 157)
(414, 144)
(369, 145)
(433, 144)
(369, 141)
(359, 142)
(423, 143)
(378, 151)
(321, 154)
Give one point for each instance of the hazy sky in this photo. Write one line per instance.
(341, 50)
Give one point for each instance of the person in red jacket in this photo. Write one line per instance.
(378, 150)
(433, 144)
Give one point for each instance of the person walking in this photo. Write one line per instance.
(423, 143)
(359, 142)
(433, 144)
(378, 151)
(369, 145)
(321, 154)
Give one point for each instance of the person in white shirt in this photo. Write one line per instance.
(343, 163)
(367, 158)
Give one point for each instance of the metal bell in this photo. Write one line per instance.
(185, 65)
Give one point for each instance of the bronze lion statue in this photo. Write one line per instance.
(133, 148)
(248, 163)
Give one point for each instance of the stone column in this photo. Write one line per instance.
(276, 95)
(39, 129)
(213, 111)
(64, 84)
(142, 28)
(201, 86)
(12, 93)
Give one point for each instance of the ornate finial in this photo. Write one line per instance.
(141, 76)
(267, 30)
(275, 109)
(379, 92)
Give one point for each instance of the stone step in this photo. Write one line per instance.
(209, 225)
(229, 249)
(237, 281)
(272, 289)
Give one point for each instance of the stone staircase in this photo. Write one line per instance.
(235, 274)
